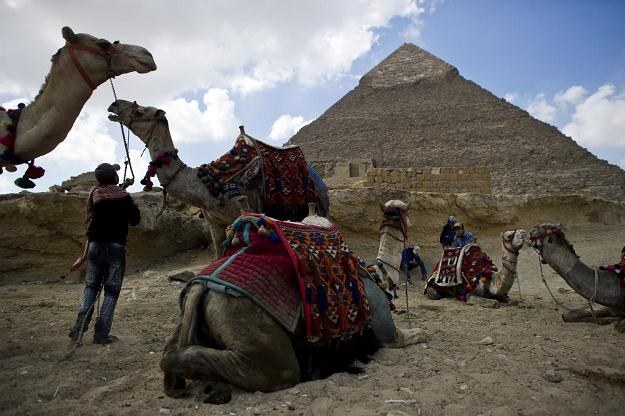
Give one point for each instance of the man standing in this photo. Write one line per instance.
(411, 259)
(448, 234)
(109, 211)
(462, 237)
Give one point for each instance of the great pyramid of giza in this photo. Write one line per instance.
(413, 109)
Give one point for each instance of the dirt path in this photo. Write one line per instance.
(450, 375)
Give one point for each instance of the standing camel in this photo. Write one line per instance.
(77, 69)
(490, 284)
(188, 184)
(224, 335)
(601, 286)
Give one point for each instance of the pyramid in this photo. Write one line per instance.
(415, 110)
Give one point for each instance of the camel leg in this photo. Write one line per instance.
(603, 316)
(252, 350)
(174, 385)
(432, 293)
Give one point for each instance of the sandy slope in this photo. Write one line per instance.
(450, 375)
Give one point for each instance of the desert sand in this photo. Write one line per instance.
(452, 374)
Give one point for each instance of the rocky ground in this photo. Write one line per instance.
(481, 358)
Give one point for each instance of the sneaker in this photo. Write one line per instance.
(108, 339)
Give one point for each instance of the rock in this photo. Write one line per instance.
(407, 391)
(294, 391)
(448, 361)
(164, 411)
(180, 275)
(58, 222)
(81, 183)
(463, 387)
(486, 341)
(552, 376)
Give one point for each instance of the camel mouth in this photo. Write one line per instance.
(146, 66)
(114, 117)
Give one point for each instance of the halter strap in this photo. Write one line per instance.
(96, 51)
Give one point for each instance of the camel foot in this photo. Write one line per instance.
(432, 293)
(175, 386)
(218, 393)
(406, 337)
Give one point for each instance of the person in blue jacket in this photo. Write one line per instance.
(410, 260)
(462, 237)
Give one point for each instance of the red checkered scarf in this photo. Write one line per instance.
(102, 193)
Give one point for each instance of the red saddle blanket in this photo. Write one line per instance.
(464, 267)
(295, 265)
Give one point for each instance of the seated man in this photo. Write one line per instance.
(410, 260)
(462, 237)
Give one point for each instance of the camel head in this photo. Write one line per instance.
(395, 210)
(100, 59)
(545, 234)
(514, 240)
(141, 120)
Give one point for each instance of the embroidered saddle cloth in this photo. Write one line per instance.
(283, 177)
(462, 266)
(288, 268)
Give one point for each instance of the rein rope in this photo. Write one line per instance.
(127, 162)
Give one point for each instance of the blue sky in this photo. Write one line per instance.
(276, 65)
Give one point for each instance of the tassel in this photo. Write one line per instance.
(262, 231)
(236, 241)
(24, 183)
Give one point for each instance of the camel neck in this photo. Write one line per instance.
(46, 121)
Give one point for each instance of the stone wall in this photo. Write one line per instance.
(432, 179)
(343, 173)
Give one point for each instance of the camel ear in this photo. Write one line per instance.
(160, 113)
(68, 34)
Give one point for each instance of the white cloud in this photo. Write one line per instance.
(573, 95)
(541, 109)
(87, 144)
(189, 124)
(286, 126)
(510, 97)
(599, 120)
(6, 184)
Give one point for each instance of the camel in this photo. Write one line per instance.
(226, 338)
(601, 286)
(186, 183)
(495, 286)
(393, 234)
(77, 69)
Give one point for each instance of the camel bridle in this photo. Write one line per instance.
(106, 54)
(507, 244)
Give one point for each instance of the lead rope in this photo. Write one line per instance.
(127, 163)
(590, 301)
(407, 306)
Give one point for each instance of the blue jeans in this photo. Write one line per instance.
(106, 263)
(409, 268)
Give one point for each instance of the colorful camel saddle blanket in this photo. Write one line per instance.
(288, 268)
(465, 266)
(286, 182)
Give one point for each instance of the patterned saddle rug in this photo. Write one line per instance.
(465, 267)
(286, 182)
(296, 268)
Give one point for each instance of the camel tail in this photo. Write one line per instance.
(189, 318)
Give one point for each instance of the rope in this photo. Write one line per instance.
(78, 341)
(127, 163)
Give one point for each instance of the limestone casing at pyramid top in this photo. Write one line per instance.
(409, 64)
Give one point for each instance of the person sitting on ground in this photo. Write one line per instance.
(448, 234)
(410, 260)
(109, 211)
(618, 268)
(462, 237)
